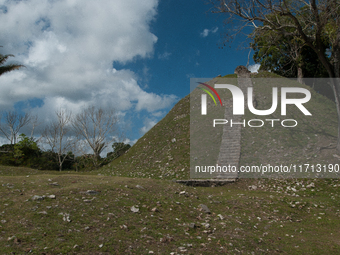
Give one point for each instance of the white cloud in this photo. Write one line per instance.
(148, 124)
(206, 31)
(254, 68)
(164, 55)
(159, 114)
(128, 141)
(68, 47)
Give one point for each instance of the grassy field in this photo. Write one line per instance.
(91, 214)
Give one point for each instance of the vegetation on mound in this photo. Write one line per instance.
(163, 152)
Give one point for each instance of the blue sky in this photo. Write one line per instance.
(131, 55)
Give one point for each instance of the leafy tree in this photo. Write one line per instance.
(287, 56)
(311, 21)
(26, 149)
(119, 149)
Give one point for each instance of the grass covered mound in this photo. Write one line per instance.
(312, 141)
(55, 213)
(163, 152)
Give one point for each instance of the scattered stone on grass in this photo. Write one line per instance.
(204, 208)
(92, 192)
(37, 198)
(134, 209)
(66, 216)
(220, 216)
(311, 185)
(192, 225)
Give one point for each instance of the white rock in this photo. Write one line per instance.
(36, 197)
(134, 209)
(220, 216)
(66, 216)
(312, 185)
(10, 238)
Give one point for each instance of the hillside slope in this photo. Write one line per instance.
(163, 152)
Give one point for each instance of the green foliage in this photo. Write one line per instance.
(26, 147)
(27, 153)
(119, 149)
(86, 163)
(284, 54)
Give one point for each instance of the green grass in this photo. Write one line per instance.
(271, 219)
(312, 141)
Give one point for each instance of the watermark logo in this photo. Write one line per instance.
(238, 99)
(204, 97)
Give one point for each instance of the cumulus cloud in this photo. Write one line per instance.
(254, 68)
(206, 31)
(148, 124)
(68, 48)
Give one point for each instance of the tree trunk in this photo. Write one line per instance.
(300, 75)
(337, 62)
(337, 89)
(60, 162)
(335, 83)
(337, 102)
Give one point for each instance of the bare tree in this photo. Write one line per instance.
(34, 121)
(310, 20)
(98, 127)
(57, 136)
(13, 123)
